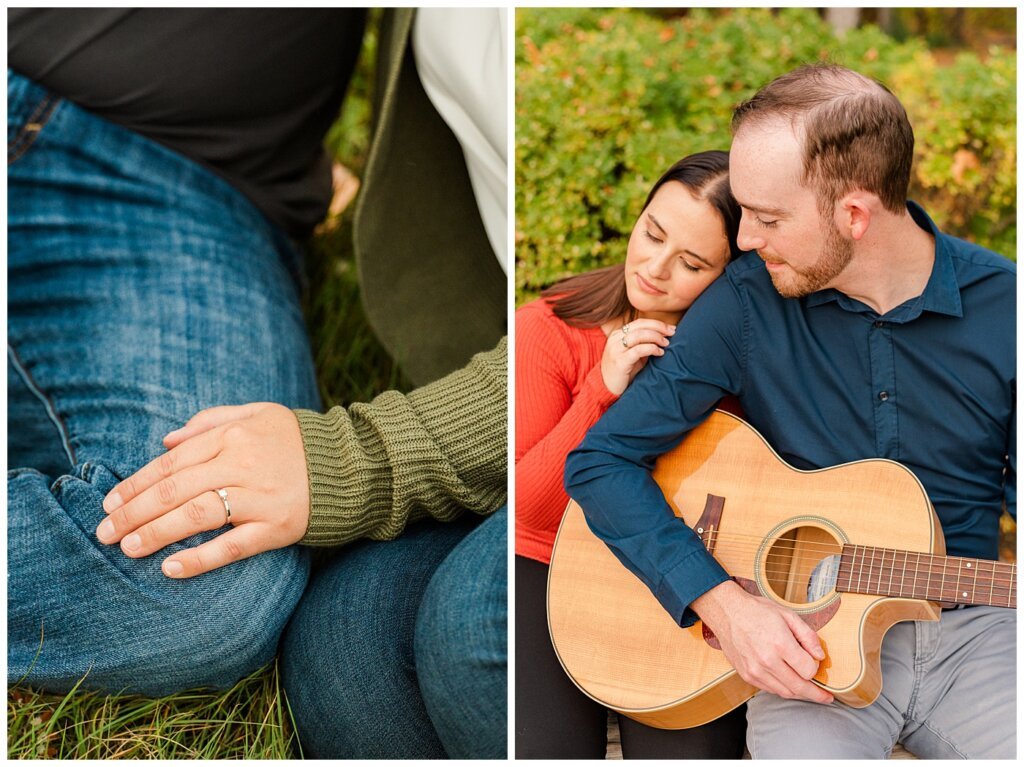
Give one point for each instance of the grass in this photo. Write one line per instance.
(249, 721)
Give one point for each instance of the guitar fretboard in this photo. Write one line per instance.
(959, 580)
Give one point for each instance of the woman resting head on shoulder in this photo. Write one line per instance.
(681, 243)
(577, 349)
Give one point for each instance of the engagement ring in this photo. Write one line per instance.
(227, 506)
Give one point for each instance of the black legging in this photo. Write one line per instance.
(554, 720)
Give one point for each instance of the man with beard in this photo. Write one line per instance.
(856, 330)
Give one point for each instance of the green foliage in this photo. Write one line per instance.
(607, 99)
(348, 139)
(951, 26)
(964, 116)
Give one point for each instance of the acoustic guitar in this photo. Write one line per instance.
(822, 543)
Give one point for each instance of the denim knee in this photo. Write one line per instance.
(347, 658)
(233, 623)
(346, 676)
(78, 609)
(461, 644)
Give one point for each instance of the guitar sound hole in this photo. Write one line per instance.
(801, 564)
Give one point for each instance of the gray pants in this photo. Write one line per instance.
(949, 692)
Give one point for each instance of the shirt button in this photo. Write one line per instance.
(879, 323)
(883, 395)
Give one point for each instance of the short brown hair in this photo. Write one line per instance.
(856, 134)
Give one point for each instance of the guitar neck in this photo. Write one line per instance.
(958, 580)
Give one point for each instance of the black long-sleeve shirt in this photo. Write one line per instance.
(249, 93)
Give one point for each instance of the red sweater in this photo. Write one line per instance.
(560, 394)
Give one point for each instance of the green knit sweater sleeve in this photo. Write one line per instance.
(440, 449)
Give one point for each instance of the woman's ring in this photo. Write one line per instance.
(227, 506)
(625, 340)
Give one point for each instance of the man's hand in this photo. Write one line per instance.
(768, 645)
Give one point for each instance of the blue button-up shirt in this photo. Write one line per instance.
(826, 380)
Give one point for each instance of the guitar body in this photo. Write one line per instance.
(625, 651)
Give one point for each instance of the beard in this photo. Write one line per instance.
(836, 253)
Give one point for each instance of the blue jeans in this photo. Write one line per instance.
(141, 289)
(399, 649)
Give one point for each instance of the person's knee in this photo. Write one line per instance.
(342, 661)
(461, 643)
(780, 728)
(234, 617)
(462, 620)
(119, 623)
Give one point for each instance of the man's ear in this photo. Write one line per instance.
(854, 213)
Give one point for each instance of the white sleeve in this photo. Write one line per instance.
(461, 58)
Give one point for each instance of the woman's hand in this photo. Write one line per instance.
(253, 452)
(628, 348)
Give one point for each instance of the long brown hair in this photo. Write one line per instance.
(591, 299)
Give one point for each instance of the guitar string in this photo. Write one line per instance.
(983, 578)
(995, 571)
(860, 553)
(919, 582)
(916, 582)
(753, 542)
(739, 542)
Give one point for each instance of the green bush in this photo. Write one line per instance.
(608, 99)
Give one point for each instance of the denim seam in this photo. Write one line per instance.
(65, 437)
(944, 738)
(915, 689)
(922, 663)
(30, 131)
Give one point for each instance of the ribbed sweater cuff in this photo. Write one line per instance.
(437, 451)
(595, 387)
(338, 476)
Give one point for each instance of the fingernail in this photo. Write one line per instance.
(131, 543)
(170, 434)
(671, 328)
(172, 569)
(105, 531)
(819, 653)
(112, 502)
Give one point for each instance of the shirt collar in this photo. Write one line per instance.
(941, 294)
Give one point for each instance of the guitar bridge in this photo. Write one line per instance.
(708, 524)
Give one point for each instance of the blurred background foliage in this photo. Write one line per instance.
(607, 99)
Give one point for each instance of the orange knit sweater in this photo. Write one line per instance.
(560, 394)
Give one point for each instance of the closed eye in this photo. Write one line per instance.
(766, 224)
